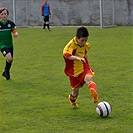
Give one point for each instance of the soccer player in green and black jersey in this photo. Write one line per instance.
(7, 27)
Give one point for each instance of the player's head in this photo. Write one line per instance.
(45, 1)
(82, 32)
(82, 36)
(4, 9)
(4, 13)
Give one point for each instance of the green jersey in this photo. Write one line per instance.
(6, 29)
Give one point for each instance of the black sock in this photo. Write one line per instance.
(48, 26)
(44, 26)
(8, 66)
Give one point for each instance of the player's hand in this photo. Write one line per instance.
(49, 16)
(15, 34)
(81, 59)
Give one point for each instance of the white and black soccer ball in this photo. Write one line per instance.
(103, 109)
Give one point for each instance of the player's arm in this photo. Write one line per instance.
(69, 56)
(67, 53)
(87, 46)
(72, 57)
(49, 10)
(42, 9)
(15, 33)
(13, 29)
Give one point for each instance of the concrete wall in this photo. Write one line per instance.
(71, 12)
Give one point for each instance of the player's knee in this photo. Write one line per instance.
(10, 60)
(88, 79)
(75, 93)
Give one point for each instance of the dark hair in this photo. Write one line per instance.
(2, 9)
(82, 32)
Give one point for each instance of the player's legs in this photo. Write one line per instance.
(9, 58)
(92, 87)
(76, 83)
(47, 22)
(8, 53)
(44, 25)
(73, 96)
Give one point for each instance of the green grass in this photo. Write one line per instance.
(36, 99)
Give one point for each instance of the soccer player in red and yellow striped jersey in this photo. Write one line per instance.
(77, 66)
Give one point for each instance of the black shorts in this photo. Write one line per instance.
(46, 18)
(5, 51)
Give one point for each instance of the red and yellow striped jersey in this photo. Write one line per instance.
(75, 67)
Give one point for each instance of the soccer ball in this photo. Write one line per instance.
(103, 109)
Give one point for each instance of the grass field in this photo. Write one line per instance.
(36, 99)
